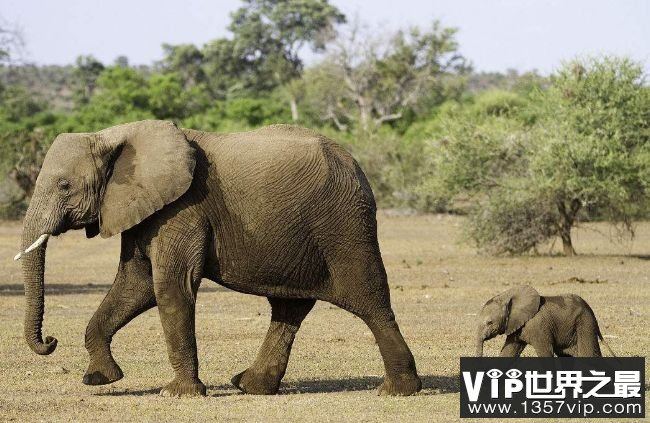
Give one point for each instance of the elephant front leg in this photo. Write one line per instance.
(177, 259)
(513, 347)
(264, 376)
(543, 349)
(131, 294)
(176, 308)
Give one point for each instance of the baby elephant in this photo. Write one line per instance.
(563, 325)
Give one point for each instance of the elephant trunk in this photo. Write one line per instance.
(479, 344)
(33, 265)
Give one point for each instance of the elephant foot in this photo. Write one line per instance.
(250, 382)
(184, 388)
(400, 385)
(102, 373)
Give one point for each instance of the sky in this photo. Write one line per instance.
(495, 35)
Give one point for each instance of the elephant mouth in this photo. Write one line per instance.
(90, 227)
(491, 336)
(39, 241)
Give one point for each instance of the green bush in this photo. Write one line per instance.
(257, 111)
(393, 167)
(499, 103)
(511, 221)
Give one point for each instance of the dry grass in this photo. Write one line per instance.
(437, 286)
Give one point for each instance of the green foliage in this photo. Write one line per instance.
(512, 220)
(17, 104)
(26, 131)
(325, 99)
(228, 75)
(263, 53)
(273, 31)
(575, 151)
(166, 98)
(169, 100)
(122, 95)
(52, 84)
(473, 150)
(500, 103)
(241, 114)
(393, 167)
(255, 112)
(186, 61)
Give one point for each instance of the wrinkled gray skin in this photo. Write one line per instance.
(280, 212)
(561, 325)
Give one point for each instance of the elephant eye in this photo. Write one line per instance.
(64, 184)
(489, 322)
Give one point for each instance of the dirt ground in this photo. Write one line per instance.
(437, 286)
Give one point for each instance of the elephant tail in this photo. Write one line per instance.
(600, 336)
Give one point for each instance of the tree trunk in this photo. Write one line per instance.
(568, 219)
(567, 244)
(294, 108)
(364, 114)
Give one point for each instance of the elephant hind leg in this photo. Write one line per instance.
(587, 337)
(361, 287)
(264, 375)
(401, 375)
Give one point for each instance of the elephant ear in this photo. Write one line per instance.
(149, 164)
(524, 304)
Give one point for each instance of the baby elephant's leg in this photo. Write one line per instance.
(513, 347)
(587, 334)
(543, 349)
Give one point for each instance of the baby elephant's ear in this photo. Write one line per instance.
(524, 304)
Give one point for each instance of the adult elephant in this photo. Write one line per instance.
(280, 212)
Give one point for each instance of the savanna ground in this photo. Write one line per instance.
(437, 286)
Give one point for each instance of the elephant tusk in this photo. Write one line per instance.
(41, 239)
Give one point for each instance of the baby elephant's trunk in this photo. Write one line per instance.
(479, 346)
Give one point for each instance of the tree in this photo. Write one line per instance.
(87, 71)
(228, 73)
(121, 61)
(23, 142)
(596, 126)
(168, 99)
(263, 53)
(11, 42)
(271, 33)
(325, 98)
(26, 130)
(533, 168)
(122, 95)
(384, 77)
(186, 60)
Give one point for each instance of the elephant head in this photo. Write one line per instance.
(105, 182)
(506, 313)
